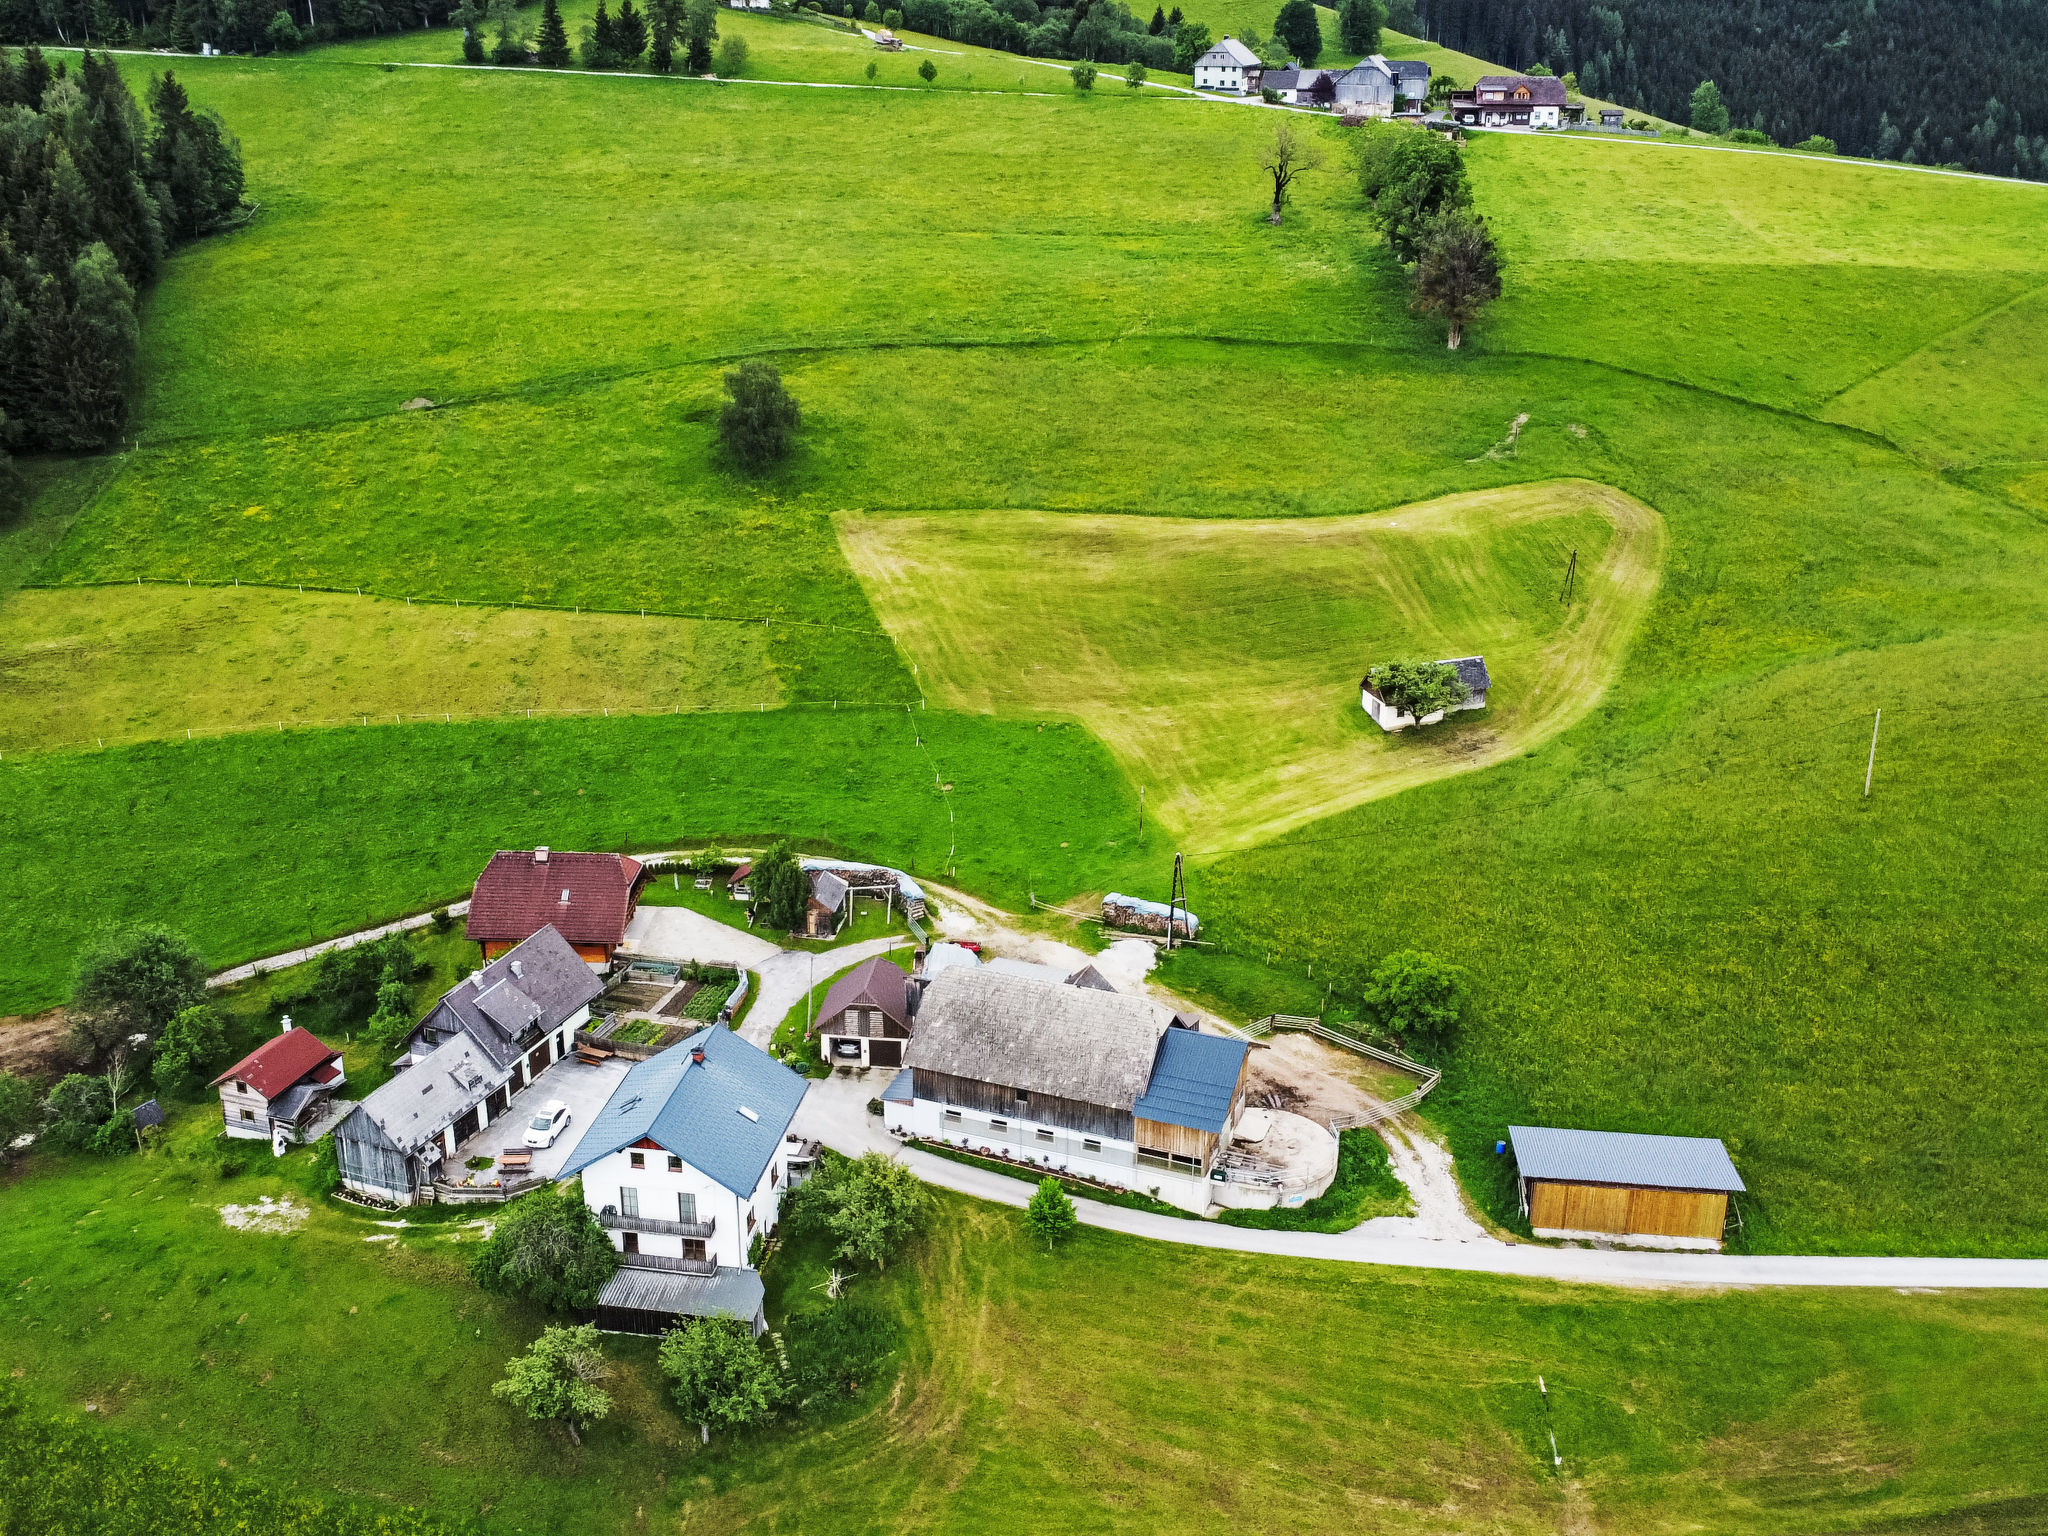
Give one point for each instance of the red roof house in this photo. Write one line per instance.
(283, 1083)
(588, 898)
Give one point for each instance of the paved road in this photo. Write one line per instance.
(678, 933)
(237, 973)
(788, 976)
(835, 1112)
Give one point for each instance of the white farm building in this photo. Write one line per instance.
(1471, 672)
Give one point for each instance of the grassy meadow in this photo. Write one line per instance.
(1180, 643)
(352, 1359)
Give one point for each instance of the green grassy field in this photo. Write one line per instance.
(1180, 643)
(1027, 1391)
(140, 663)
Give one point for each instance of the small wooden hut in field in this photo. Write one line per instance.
(1662, 1191)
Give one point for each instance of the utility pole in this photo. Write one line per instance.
(1549, 1423)
(1177, 900)
(1871, 767)
(1141, 810)
(1571, 572)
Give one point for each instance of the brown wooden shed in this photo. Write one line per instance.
(1665, 1189)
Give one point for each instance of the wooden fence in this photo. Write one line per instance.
(1428, 1077)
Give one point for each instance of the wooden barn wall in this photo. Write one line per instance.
(1619, 1208)
(1158, 1136)
(1002, 1101)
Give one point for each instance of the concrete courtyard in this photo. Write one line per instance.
(584, 1089)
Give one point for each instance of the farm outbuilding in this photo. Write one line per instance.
(1663, 1191)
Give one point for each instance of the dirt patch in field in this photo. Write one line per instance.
(37, 1046)
(266, 1215)
(1301, 1074)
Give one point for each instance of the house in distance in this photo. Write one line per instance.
(1230, 66)
(1658, 1191)
(1471, 672)
(588, 898)
(279, 1089)
(1514, 101)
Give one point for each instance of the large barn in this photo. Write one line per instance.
(1666, 1191)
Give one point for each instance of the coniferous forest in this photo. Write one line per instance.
(1964, 84)
(92, 194)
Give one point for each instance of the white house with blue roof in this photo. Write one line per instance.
(684, 1167)
(1099, 1084)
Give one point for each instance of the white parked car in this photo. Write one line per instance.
(544, 1127)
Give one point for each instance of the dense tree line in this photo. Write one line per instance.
(92, 194)
(1965, 86)
(239, 26)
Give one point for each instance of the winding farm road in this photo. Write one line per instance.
(835, 1112)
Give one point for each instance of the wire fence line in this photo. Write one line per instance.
(414, 600)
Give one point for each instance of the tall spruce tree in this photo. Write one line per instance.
(665, 24)
(700, 31)
(552, 49)
(629, 33)
(1158, 21)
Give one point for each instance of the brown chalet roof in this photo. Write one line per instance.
(1543, 90)
(281, 1061)
(877, 983)
(585, 897)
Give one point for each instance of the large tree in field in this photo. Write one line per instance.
(1050, 1215)
(1418, 688)
(1408, 174)
(1284, 159)
(700, 31)
(557, 1378)
(1416, 996)
(1709, 112)
(132, 981)
(718, 1374)
(547, 1247)
(759, 419)
(1457, 269)
(1298, 29)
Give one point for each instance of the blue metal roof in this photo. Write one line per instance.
(899, 1090)
(1194, 1077)
(1623, 1157)
(695, 1111)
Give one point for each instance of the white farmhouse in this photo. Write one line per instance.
(685, 1167)
(1099, 1084)
(1471, 672)
(1229, 66)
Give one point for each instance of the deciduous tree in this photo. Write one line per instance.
(1285, 159)
(548, 1248)
(132, 981)
(718, 1374)
(700, 31)
(1408, 174)
(1418, 688)
(1709, 114)
(1190, 41)
(559, 1378)
(759, 421)
(1417, 996)
(1457, 269)
(1050, 1215)
(874, 1206)
(190, 1044)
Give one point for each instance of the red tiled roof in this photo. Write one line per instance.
(278, 1063)
(516, 896)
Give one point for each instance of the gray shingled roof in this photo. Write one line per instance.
(541, 980)
(419, 1101)
(828, 890)
(876, 983)
(1088, 976)
(1233, 52)
(1544, 90)
(1071, 1042)
(731, 1292)
(1622, 1157)
(1471, 672)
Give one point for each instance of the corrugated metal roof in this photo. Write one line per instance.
(1622, 1157)
(899, 1090)
(732, 1292)
(280, 1061)
(1193, 1080)
(695, 1111)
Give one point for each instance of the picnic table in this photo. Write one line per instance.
(515, 1157)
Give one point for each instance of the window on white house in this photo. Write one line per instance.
(1090, 1144)
(999, 1125)
(1044, 1135)
(637, 1159)
(629, 1202)
(1023, 1097)
(240, 1086)
(750, 1221)
(952, 1117)
(248, 1114)
(675, 1165)
(686, 1207)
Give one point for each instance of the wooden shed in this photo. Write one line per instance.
(1665, 1190)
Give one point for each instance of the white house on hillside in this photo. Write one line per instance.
(1229, 66)
(685, 1166)
(1471, 672)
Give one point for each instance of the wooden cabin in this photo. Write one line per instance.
(279, 1089)
(1665, 1191)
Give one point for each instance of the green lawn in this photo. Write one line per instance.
(352, 1359)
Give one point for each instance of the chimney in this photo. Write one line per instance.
(476, 979)
(284, 1025)
(697, 1054)
(540, 855)
(519, 969)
